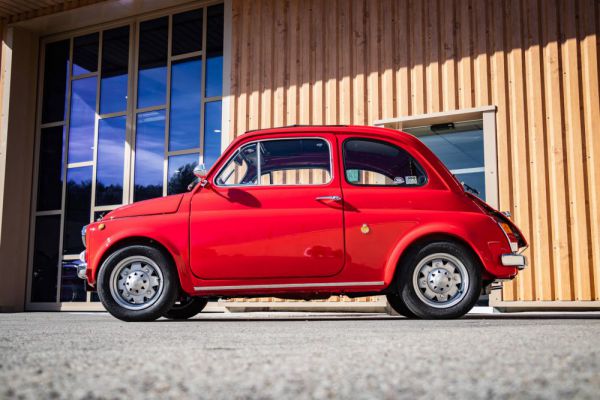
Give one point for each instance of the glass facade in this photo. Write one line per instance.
(126, 114)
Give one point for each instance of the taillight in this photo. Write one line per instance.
(510, 236)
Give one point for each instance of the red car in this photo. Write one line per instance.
(306, 213)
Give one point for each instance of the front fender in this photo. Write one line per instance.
(167, 231)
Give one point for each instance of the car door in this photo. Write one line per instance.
(384, 189)
(273, 210)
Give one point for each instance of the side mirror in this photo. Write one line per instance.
(200, 172)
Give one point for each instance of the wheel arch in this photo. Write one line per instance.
(133, 241)
(408, 243)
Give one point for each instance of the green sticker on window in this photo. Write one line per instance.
(352, 175)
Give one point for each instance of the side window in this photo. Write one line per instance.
(295, 162)
(241, 169)
(372, 162)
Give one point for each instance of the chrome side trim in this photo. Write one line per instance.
(288, 285)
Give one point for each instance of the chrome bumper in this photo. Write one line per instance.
(514, 260)
(82, 267)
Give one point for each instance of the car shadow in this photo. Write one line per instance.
(247, 317)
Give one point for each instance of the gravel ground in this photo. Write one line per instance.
(299, 355)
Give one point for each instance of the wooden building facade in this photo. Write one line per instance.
(536, 62)
(529, 69)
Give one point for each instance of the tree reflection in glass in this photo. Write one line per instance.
(181, 172)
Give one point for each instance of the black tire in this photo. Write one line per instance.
(186, 308)
(165, 297)
(398, 305)
(417, 302)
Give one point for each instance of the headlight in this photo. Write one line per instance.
(83, 230)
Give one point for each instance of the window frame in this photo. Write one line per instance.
(343, 144)
(258, 158)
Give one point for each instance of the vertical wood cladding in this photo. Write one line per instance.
(354, 62)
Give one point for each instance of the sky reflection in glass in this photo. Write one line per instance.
(181, 172)
(111, 157)
(457, 149)
(152, 61)
(77, 207)
(149, 155)
(115, 60)
(152, 87)
(186, 99)
(214, 76)
(113, 94)
(83, 114)
(212, 132)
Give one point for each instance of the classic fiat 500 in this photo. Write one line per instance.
(306, 213)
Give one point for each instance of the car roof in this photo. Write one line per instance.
(405, 139)
(333, 129)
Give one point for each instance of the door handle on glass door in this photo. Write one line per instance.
(332, 198)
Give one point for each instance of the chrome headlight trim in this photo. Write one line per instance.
(83, 233)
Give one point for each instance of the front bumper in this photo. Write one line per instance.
(514, 260)
(81, 268)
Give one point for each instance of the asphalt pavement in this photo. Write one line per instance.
(299, 355)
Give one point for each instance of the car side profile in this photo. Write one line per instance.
(306, 212)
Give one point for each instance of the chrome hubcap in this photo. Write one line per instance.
(441, 280)
(136, 283)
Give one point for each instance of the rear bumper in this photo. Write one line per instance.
(514, 260)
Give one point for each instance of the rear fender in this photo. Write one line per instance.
(433, 231)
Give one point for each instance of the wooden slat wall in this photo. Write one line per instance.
(339, 62)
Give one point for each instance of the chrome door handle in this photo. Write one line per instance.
(332, 198)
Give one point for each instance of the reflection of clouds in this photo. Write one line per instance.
(212, 132)
(149, 149)
(214, 76)
(148, 167)
(113, 94)
(186, 83)
(111, 147)
(83, 113)
(152, 86)
(185, 129)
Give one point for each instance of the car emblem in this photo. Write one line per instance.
(365, 229)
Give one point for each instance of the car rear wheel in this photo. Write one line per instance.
(137, 283)
(440, 280)
(186, 308)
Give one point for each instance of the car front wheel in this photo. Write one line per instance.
(137, 283)
(440, 280)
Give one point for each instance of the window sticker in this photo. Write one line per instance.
(411, 180)
(398, 180)
(352, 175)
